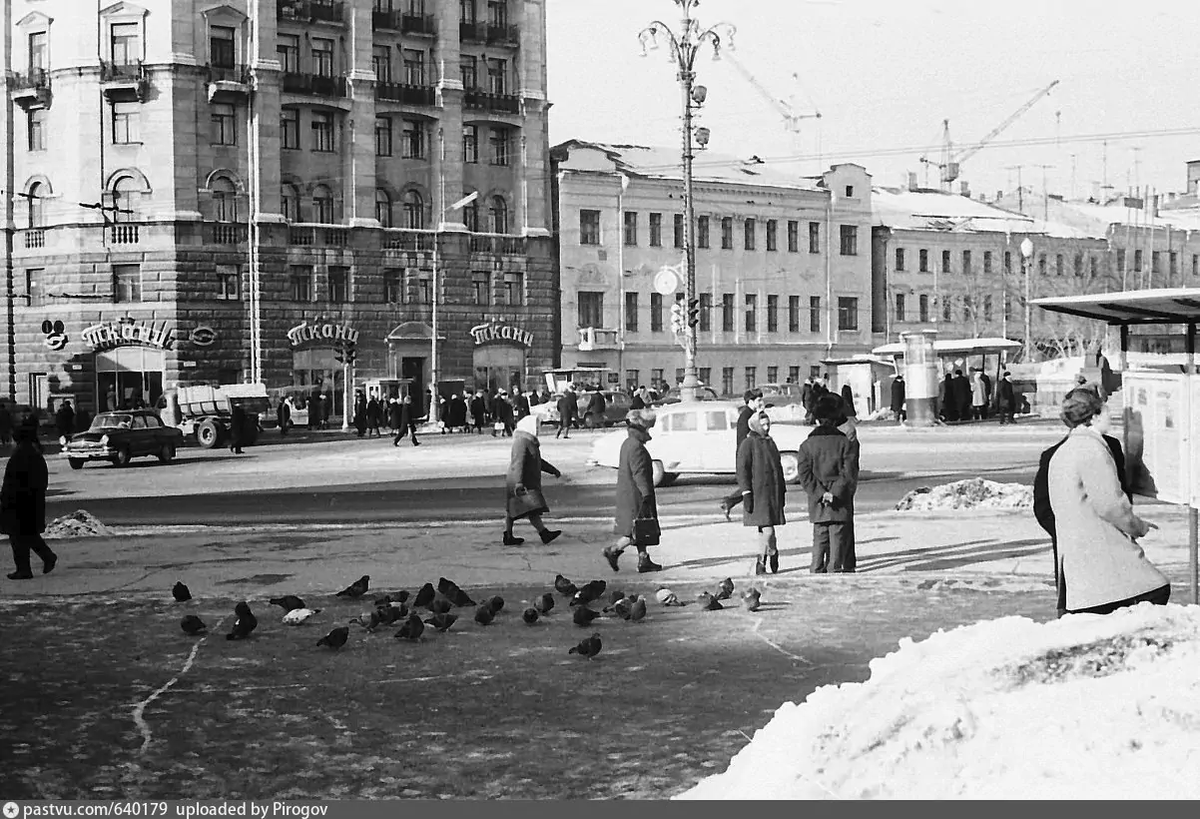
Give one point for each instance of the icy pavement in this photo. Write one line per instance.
(973, 493)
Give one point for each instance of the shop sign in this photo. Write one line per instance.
(55, 335)
(486, 333)
(127, 332)
(324, 331)
(203, 335)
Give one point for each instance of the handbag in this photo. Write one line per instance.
(498, 426)
(646, 532)
(526, 502)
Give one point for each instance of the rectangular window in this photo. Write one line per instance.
(631, 312)
(1078, 264)
(705, 312)
(127, 282)
(793, 236)
(322, 57)
(37, 52)
(656, 377)
(849, 240)
(498, 12)
(847, 313)
(287, 49)
(1173, 263)
(1008, 311)
(322, 131)
(466, 11)
(221, 47)
(679, 230)
(413, 145)
(424, 287)
(393, 286)
(656, 230)
(772, 375)
(36, 120)
(900, 307)
(33, 286)
(656, 312)
(414, 66)
(987, 262)
(1091, 266)
(705, 375)
(727, 381)
(381, 59)
(514, 289)
(229, 281)
(500, 140)
(749, 229)
(948, 308)
(1155, 262)
(727, 312)
(899, 260)
(497, 76)
(987, 308)
(751, 377)
(945, 261)
(1196, 264)
(468, 72)
(793, 375)
(126, 43)
(923, 260)
(1007, 262)
(630, 235)
(481, 287)
(772, 235)
(591, 308)
(751, 313)
(966, 262)
(1042, 264)
(727, 233)
(814, 314)
(589, 227)
(632, 380)
(224, 125)
(383, 136)
(967, 308)
(702, 231)
(814, 237)
(793, 314)
(923, 307)
(339, 285)
(471, 144)
(289, 128)
(772, 316)
(126, 118)
(1137, 261)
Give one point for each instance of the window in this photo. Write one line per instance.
(923, 260)
(414, 66)
(591, 309)
(1196, 264)
(631, 312)
(470, 144)
(497, 76)
(900, 307)
(383, 136)
(945, 261)
(126, 195)
(748, 231)
(1173, 263)
(1007, 261)
(33, 290)
(705, 375)
(1042, 263)
(656, 378)
(470, 213)
(589, 227)
(772, 235)
(224, 195)
(413, 146)
(948, 308)
(923, 307)
(289, 128)
(1137, 261)
(393, 286)
(705, 313)
(751, 313)
(469, 73)
(501, 142)
(814, 314)
(899, 259)
(224, 125)
(967, 308)
(814, 237)
(966, 262)
(322, 56)
(727, 312)
(656, 313)
(679, 230)
(793, 375)
(322, 131)
(1008, 311)
(322, 211)
(1155, 262)
(424, 287)
(229, 279)
(414, 210)
(1091, 266)
(751, 377)
(126, 117)
(339, 285)
(383, 208)
(772, 316)
(772, 375)
(847, 313)
(1058, 264)
(702, 231)
(381, 59)
(481, 287)
(727, 233)
(849, 240)
(630, 234)
(793, 314)
(125, 43)
(656, 230)
(221, 47)
(36, 206)
(127, 282)
(632, 379)
(466, 11)
(37, 52)
(36, 120)
(498, 12)
(987, 308)
(301, 276)
(793, 236)
(987, 262)
(514, 289)
(287, 49)
(498, 214)
(727, 381)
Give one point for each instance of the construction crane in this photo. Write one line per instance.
(791, 120)
(951, 163)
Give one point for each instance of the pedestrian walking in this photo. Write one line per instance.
(23, 502)
(636, 522)
(283, 415)
(407, 423)
(568, 411)
(524, 498)
(760, 481)
(237, 428)
(752, 404)
(899, 410)
(1006, 399)
(374, 417)
(479, 411)
(829, 475)
(64, 422)
(848, 401)
(594, 415)
(360, 413)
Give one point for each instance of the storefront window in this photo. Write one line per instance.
(129, 378)
(317, 369)
(499, 365)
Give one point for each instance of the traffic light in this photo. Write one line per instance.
(693, 312)
(351, 352)
(677, 318)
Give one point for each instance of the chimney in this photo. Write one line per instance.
(964, 189)
(912, 180)
(999, 196)
(1193, 175)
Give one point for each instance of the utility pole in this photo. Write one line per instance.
(1045, 193)
(9, 227)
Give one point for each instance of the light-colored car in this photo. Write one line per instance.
(616, 407)
(699, 438)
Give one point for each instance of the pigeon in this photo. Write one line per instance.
(544, 603)
(246, 622)
(725, 589)
(667, 597)
(622, 608)
(180, 592)
(193, 625)
(638, 610)
(584, 615)
(564, 587)
(484, 614)
(457, 596)
(496, 604)
(289, 602)
(297, 616)
(708, 602)
(592, 590)
(424, 596)
(336, 638)
(393, 597)
(442, 621)
(750, 599)
(371, 621)
(391, 613)
(440, 605)
(530, 616)
(616, 601)
(412, 628)
(615, 595)
(356, 589)
(588, 647)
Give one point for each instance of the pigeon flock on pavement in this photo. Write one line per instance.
(401, 608)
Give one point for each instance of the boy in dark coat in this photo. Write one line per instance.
(760, 480)
(524, 484)
(23, 502)
(1006, 399)
(829, 474)
(752, 404)
(636, 521)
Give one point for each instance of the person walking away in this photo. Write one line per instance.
(283, 415)
(898, 397)
(502, 413)
(407, 423)
(64, 422)
(1099, 561)
(638, 400)
(636, 519)
(962, 396)
(374, 417)
(828, 473)
(458, 412)
(752, 404)
(237, 428)
(760, 481)
(848, 401)
(595, 410)
(479, 411)
(393, 415)
(23, 502)
(524, 483)
(987, 394)
(978, 396)
(360, 413)
(1006, 399)
(520, 404)
(568, 411)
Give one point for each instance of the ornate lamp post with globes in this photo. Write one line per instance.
(684, 46)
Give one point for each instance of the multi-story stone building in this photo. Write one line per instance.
(782, 266)
(214, 191)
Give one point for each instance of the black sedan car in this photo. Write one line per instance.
(119, 436)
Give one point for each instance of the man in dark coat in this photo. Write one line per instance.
(752, 404)
(899, 408)
(829, 474)
(962, 396)
(408, 422)
(520, 404)
(23, 502)
(806, 392)
(760, 481)
(636, 520)
(568, 411)
(360, 413)
(947, 399)
(1006, 399)
(987, 393)
(314, 409)
(374, 416)
(237, 428)
(479, 411)
(64, 420)
(594, 416)
(283, 416)
(502, 411)
(524, 496)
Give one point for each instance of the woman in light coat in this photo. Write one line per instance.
(524, 498)
(1100, 561)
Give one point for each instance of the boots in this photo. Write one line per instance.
(510, 540)
(645, 564)
(548, 535)
(611, 554)
(774, 561)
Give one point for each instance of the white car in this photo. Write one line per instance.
(700, 438)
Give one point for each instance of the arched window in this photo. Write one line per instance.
(36, 205)
(128, 199)
(289, 202)
(498, 215)
(414, 210)
(471, 215)
(322, 205)
(383, 207)
(224, 195)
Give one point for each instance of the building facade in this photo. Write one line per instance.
(782, 266)
(203, 195)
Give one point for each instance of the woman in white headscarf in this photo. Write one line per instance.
(524, 483)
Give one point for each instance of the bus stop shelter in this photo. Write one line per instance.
(1162, 408)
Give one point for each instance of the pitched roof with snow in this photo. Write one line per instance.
(934, 210)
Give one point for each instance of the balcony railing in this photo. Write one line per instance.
(406, 94)
(496, 103)
(121, 72)
(495, 243)
(226, 233)
(399, 239)
(35, 237)
(489, 34)
(124, 82)
(594, 338)
(324, 235)
(310, 11)
(317, 85)
(36, 78)
(31, 90)
(230, 73)
(124, 234)
(404, 23)
(228, 84)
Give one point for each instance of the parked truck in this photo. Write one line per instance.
(204, 411)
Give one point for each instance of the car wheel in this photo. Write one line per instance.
(76, 463)
(208, 434)
(790, 462)
(122, 457)
(166, 453)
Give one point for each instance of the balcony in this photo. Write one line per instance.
(124, 235)
(35, 237)
(405, 94)
(497, 244)
(401, 239)
(228, 84)
(318, 235)
(124, 82)
(315, 85)
(496, 103)
(593, 338)
(489, 34)
(310, 11)
(226, 233)
(421, 24)
(31, 91)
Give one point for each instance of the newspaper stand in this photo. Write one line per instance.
(1162, 408)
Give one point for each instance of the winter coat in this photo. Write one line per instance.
(64, 420)
(898, 395)
(828, 463)
(525, 469)
(568, 407)
(520, 405)
(237, 425)
(635, 483)
(1006, 398)
(596, 405)
(978, 391)
(760, 473)
(743, 427)
(806, 398)
(283, 415)
(478, 410)
(1094, 521)
(374, 412)
(407, 415)
(23, 495)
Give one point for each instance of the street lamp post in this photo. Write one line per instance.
(434, 407)
(684, 46)
(1026, 263)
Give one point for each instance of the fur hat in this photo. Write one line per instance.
(828, 407)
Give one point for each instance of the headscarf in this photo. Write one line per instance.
(528, 424)
(755, 422)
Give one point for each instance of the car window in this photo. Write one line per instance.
(684, 422)
(108, 421)
(154, 422)
(139, 422)
(716, 419)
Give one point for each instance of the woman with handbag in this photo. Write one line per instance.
(524, 484)
(636, 513)
(760, 479)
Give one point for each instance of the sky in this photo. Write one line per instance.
(884, 74)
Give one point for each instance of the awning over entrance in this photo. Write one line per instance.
(950, 346)
(1179, 305)
(412, 331)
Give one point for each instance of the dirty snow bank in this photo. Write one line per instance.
(1086, 707)
(79, 523)
(973, 493)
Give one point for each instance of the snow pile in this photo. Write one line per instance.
(1086, 707)
(973, 493)
(881, 414)
(77, 524)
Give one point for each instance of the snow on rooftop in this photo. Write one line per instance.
(666, 163)
(1085, 707)
(934, 210)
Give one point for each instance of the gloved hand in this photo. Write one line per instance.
(748, 502)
